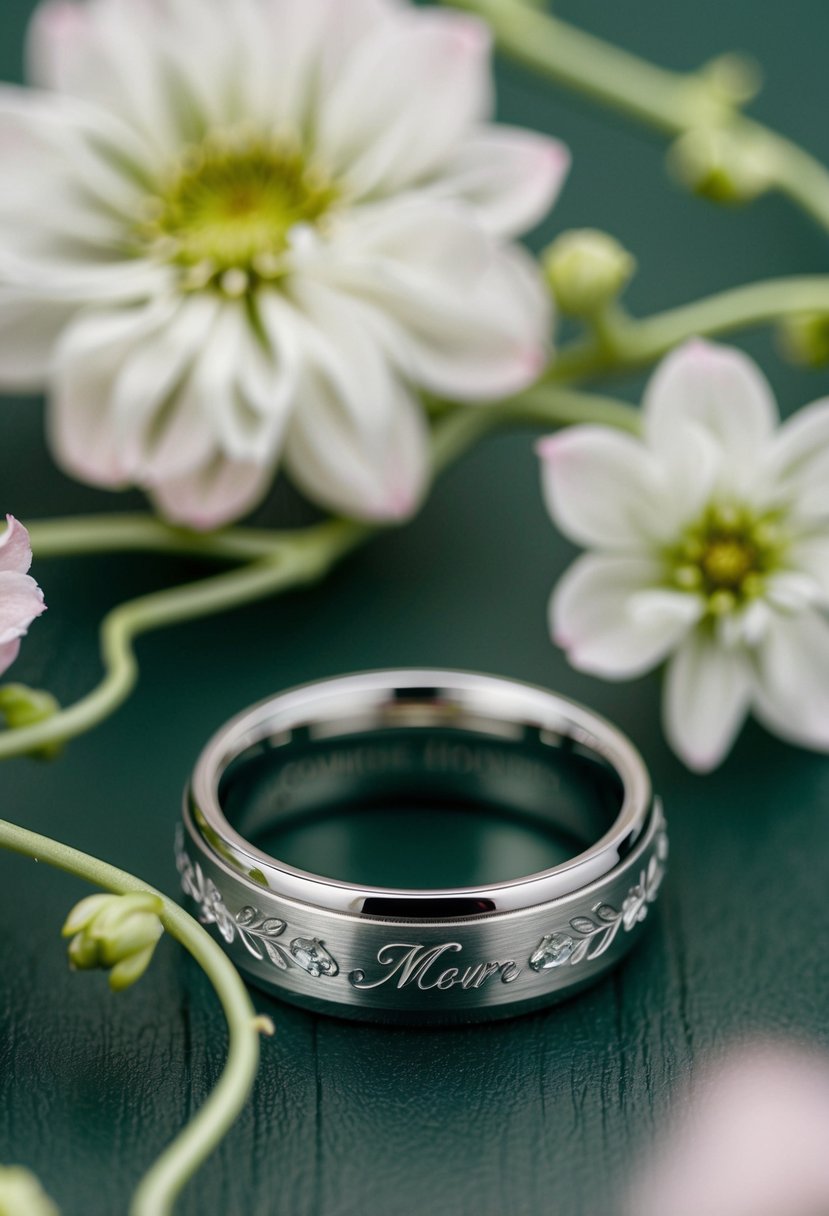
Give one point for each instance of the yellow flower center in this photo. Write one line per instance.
(226, 214)
(727, 556)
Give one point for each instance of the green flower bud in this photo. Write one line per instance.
(587, 270)
(22, 1195)
(116, 933)
(720, 165)
(733, 79)
(21, 707)
(804, 339)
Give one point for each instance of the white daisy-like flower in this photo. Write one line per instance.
(242, 233)
(711, 539)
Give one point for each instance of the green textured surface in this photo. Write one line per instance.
(536, 1117)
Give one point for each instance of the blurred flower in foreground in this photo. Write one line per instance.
(22, 1195)
(712, 539)
(118, 933)
(235, 234)
(21, 600)
(750, 1141)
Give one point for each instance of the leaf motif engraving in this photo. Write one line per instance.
(258, 932)
(597, 936)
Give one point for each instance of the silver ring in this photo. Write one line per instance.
(412, 954)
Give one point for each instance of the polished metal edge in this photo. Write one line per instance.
(372, 700)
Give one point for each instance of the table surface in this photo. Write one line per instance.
(536, 1116)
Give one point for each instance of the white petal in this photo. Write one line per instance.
(798, 461)
(430, 82)
(343, 339)
(21, 600)
(108, 54)
(509, 176)
(613, 618)
(471, 317)
(163, 428)
(15, 549)
(707, 696)
(792, 681)
(371, 475)
(603, 488)
(81, 425)
(29, 335)
(217, 494)
(810, 555)
(719, 389)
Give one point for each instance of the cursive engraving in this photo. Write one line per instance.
(412, 963)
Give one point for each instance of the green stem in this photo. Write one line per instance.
(313, 553)
(637, 343)
(158, 1190)
(668, 102)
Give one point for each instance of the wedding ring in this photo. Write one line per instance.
(389, 740)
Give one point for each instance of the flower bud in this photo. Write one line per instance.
(804, 339)
(21, 707)
(720, 165)
(733, 79)
(117, 933)
(22, 1195)
(587, 270)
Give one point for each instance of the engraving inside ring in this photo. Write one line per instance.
(414, 809)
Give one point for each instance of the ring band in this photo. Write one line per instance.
(422, 955)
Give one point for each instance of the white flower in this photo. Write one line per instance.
(239, 234)
(21, 600)
(712, 547)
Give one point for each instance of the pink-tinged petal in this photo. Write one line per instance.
(8, 654)
(219, 493)
(707, 697)
(613, 618)
(719, 389)
(791, 694)
(430, 82)
(749, 1139)
(798, 462)
(21, 601)
(15, 548)
(604, 489)
(378, 475)
(510, 177)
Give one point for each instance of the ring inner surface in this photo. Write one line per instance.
(420, 809)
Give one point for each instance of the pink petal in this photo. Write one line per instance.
(21, 601)
(219, 493)
(15, 549)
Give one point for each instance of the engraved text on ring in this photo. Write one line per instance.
(412, 964)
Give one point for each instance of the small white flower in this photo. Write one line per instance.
(712, 547)
(235, 235)
(21, 600)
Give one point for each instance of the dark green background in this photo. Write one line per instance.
(537, 1116)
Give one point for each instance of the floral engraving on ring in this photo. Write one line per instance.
(256, 931)
(589, 937)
